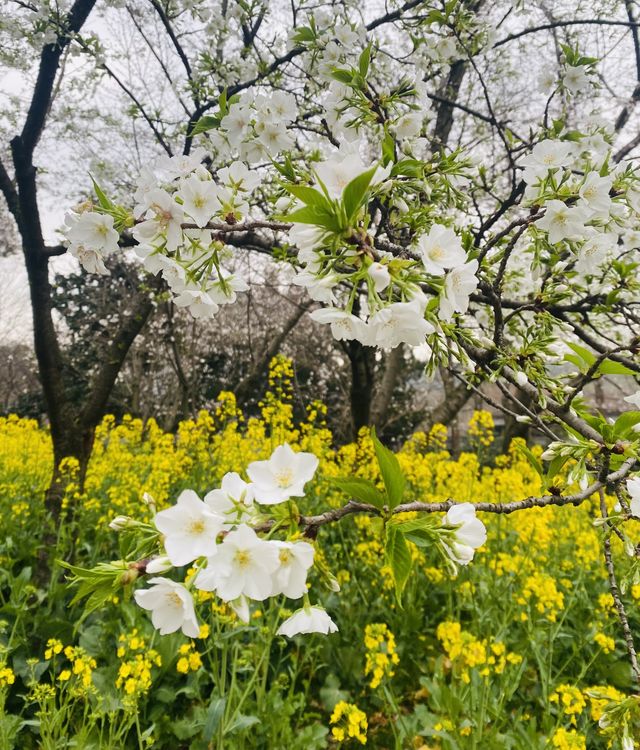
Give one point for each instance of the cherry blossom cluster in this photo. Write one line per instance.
(178, 203)
(229, 558)
(255, 127)
(219, 538)
(587, 204)
(393, 309)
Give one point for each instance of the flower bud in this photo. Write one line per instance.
(629, 549)
(159, 564)
(120, 523)
(401, 205)
(148, 499)
(129, 576)
(282, 204)
(379, 274)
(549, 453)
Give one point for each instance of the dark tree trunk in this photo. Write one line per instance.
(393, 362)
(362, 361)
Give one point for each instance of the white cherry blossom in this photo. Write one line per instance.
(200, 199)
(290, 577)
(575, 78)
(336, 173)
(91, 260)
(93, 231)
(634, 399)
(242, 565)
(233, 501)
(563, 222)
(469, 534)
(282, 476)
(594, 193)
(200, 304)
(594, 251)
(441, 249)
(171, 607)
(189, 527)
(308, 620)
(238, 176)
(163, 220)
(546, 155)
(379, 274)
(459, 284)
(344, 325)
(398, 323)
(633, 488)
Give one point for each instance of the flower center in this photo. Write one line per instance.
(285, 556)
(197, 526)
(242, 558)
(284, 478)
(174, 599)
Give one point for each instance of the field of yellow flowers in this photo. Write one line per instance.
(521, 650)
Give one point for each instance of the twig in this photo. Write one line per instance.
(615, 593)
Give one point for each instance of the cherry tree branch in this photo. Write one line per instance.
(310, 524)
(562, 24)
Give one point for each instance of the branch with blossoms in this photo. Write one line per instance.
(243, 542)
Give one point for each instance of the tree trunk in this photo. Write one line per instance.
(362, 361)
(393, 363)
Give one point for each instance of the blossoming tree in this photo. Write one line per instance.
(324, 139)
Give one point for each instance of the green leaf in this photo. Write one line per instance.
(362, 489)
(242, 722)
(609, 367)
(313, 215)
(535, 462)
(606, 367)
(215, 712)
(555, 465)
(399, 559)
(388, 148)
(364, 60)
(421, 523)
(584, 354)
(392, 476)
(208, 122)
(303, 34)
(344, 76)
(624, 424)
(421, 531)
(354, 193)
(308, 195)
(103, 200)
(222, 102)
(407, 168)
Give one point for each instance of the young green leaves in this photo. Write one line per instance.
(334, 215)
(393, 479)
